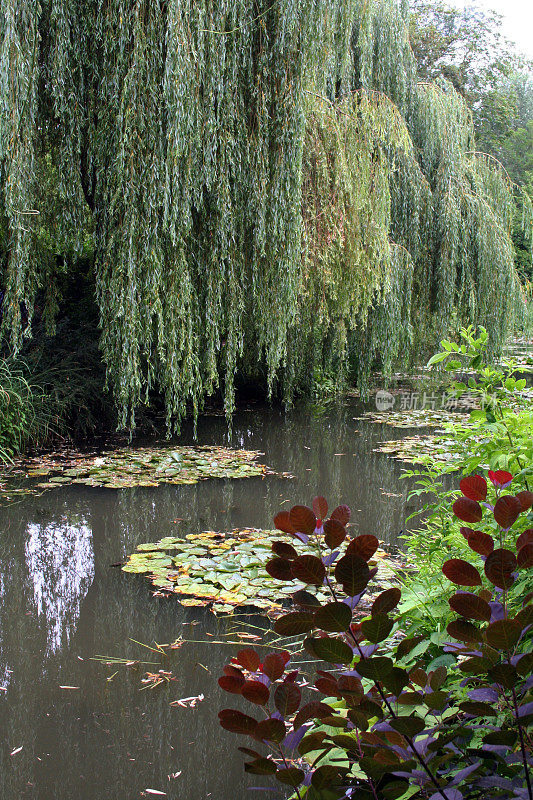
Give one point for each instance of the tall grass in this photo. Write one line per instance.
(26, 413)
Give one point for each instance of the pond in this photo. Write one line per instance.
(72, 726)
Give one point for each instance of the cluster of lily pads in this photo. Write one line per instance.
(437, 448)
(414, 418)
(225, 571)
(128, 467)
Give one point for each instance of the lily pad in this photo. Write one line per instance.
(225, 571)
(129, 467)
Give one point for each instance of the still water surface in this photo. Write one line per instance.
(62, 603)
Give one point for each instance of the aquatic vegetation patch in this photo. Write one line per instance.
(440, 447)
(128, 467)
(414, 418)
(225, 571)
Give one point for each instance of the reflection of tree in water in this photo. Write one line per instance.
(60, 561)
(5, 671)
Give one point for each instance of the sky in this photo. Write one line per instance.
(517, 20)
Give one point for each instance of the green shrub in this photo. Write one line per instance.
(498, 436)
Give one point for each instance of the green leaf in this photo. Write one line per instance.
(437, 358)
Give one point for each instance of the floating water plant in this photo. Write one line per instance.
(128, 467)
(225, 571)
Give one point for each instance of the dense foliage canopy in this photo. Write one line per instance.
(258, 186)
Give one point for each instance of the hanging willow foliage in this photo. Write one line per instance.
(262, 184)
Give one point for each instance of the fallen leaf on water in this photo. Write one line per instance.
(188, 702)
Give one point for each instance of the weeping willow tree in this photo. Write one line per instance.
(263, 189)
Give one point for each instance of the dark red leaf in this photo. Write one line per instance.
(287, 698)
(499, 567)
(334, 533)
(377, 628)
(364, 546)
(283, 523)
(327, 685)
(467, 510)
(333, 617)
(350, 686)
(461, 572)
(260, 766)
(284, 550)
(526, 500)
(290, 776)
(231, 684)
(466, 532)
(305, 599)
(375, 668)
(302, 519)
(525, 617)
(279, 568)
(248, 752)
(256, 692)
(294, 623)
(386, 601)
(504, 674)
(474, 488)
(324, 776)
(503, 634)
(353, 573)
(464, 631)
(524, 664)
(328, 648)
(408, 644)
(500, 477)
(525, 556)
(229, 669)
(248, 658)
(342, 514)
(477, 709)
(270, 730)
(291, 676)
(237, 722)
(470, 606)
(506, 510)
(481, 543)
(314, 710)
(274, 666)
(320, 507)
(308, 569)
(525, 538)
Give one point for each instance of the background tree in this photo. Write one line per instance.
(250, 191)
(466, 46)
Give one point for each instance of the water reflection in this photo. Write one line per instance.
(60, 561)
(62, 603)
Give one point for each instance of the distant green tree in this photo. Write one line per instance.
(466, 46)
